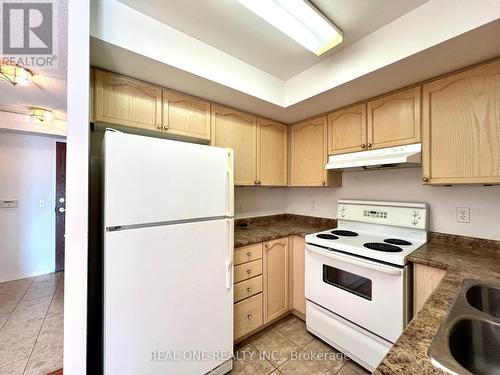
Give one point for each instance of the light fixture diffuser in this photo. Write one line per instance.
(41, 114)
(300, 20)
(15, 74)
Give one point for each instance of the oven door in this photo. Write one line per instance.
(367, 293)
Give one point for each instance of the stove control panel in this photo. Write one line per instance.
(409, 215)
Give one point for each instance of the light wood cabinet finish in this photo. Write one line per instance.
(186, 116)
(308, 154)
(275, 278)
(298, 274)
(425, 280)
(247, 288)
(125, 101)
(247, 315)
(347, 130)
(394, 119)
(272, 150)
(461, 127)
(247, 270)
(237, 130)
(247, 253)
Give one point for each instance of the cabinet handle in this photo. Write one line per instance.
(255, 182)
(258, 182)
(425, 179)
(324, 183)
(165, 127)
(363, 145)
(369, 145)
(267, 246)
(249, 316)
(249, 290)
(159, 126)
(249, 271)
(249, 254)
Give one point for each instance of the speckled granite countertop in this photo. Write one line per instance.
(268, 228)
(463, 258)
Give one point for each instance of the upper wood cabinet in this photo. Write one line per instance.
(394, 119)
(125, 101)
(272, 150)
(275, 278)
(237, 130)
(461, 127)
(308, 154)
(347, 130)
(186, 116)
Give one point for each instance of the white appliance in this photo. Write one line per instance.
(357, 281)
(168, 257)
(384, 158)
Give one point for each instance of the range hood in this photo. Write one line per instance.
(384, 158)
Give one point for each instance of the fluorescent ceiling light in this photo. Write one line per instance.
(300, 20)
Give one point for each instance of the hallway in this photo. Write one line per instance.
(31, 325)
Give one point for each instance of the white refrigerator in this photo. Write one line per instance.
(168, 257)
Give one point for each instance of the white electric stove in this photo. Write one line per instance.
(357, 281)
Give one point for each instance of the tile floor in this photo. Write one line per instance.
(31, 325)
(286, 348)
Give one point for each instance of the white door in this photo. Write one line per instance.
(151, 180)
(168, 299)
(369, 294)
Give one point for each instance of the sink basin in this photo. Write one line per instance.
(485, 299)
(468, 341)
(475, 345)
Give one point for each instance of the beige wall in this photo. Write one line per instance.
(391, 185)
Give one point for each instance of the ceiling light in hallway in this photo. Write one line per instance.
(15, 74)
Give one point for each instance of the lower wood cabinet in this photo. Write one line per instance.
(247, 316)
(297, 279)
(425, 280)
(275, 278)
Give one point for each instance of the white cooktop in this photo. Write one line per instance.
(375, 222)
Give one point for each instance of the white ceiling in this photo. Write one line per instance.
(232, 28)
(49, 85)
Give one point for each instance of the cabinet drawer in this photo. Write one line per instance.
(247, 253)
(247, 315)
(247, 288)
(247, 270)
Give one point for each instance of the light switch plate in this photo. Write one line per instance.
(11, 203)
(463, 215)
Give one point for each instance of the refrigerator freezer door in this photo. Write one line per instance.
(168, 306)
(151, 180)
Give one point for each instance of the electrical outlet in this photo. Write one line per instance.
(41, 203)
(313, 205)
(463, 215)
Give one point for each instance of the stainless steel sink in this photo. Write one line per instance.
(468, 341)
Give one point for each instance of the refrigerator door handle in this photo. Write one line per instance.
(229, 262)
(230, 175)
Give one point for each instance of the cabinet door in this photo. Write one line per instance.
(425, 280)
(308, 152)
(237, 130)
(275, 278)
(272, 149)
(186, 116)
(347, 130)
(125, 101)
(461, 127)
(298, 271)
(394, 119)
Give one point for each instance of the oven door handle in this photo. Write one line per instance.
(356, 261)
